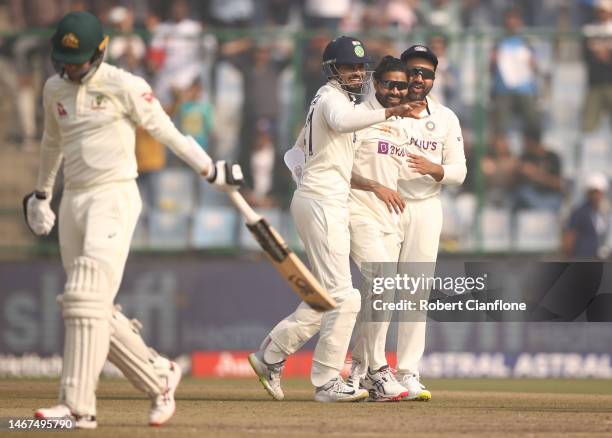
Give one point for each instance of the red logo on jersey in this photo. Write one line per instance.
(61, 110)
(148, 96)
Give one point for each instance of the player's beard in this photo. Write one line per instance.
(385, 102)
(418, 94)
(353, 87)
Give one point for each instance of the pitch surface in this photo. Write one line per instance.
(241, 408)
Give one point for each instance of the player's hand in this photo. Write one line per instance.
(391, 198)
(423, 166)
(226, 176)
(412, 109)
(38, 214)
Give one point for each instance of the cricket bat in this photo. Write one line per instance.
(288, 264)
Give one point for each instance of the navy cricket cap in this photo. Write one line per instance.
(345, 50)
(420, 51)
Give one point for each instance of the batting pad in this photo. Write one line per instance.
(86, 312)
(141, 365)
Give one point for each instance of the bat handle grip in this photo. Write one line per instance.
(249, 214)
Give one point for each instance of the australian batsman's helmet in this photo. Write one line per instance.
(77, 39)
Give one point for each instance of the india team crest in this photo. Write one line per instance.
(383, 147)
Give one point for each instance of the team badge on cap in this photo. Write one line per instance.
(70, 40)
(359, 51)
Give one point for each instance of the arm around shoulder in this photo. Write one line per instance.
(343, 116)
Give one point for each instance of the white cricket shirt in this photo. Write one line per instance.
(92, 127)
(327, 139)
(437, 136)
(377, 157)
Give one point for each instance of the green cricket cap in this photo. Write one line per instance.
(77, 37)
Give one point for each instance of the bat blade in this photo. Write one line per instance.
(291, 268)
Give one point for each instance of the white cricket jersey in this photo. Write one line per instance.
(437, 136)
(327, 139)
(377, 157)
(92, 127)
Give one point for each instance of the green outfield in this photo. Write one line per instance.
(240, 408)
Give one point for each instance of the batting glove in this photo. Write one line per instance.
(226, 176)
(38, 214)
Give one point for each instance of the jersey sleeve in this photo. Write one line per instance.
(50, 150)
(453, 155)
(343, 116)
(146, 111)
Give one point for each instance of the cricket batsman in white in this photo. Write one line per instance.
(320, 212)
(432, 147)
(91, 112)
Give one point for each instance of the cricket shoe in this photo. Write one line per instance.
(383, 386)
(269, 374)
(356, 375)
(63, 411)
(416, 390)
(163, 405)
(337, 390)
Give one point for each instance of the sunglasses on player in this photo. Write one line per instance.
(424, 72)
(390, 85)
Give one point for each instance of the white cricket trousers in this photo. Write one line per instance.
(99, 223)
(95, 230)
(323, 227)
(379, 251)
(421, 224)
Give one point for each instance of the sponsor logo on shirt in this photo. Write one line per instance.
(383, 147)
(148, 96)
(398, 151)
(423, 144)
(61, 110)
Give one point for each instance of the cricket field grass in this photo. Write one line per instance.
(240, 407)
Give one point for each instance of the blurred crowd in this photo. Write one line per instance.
(237, 75)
